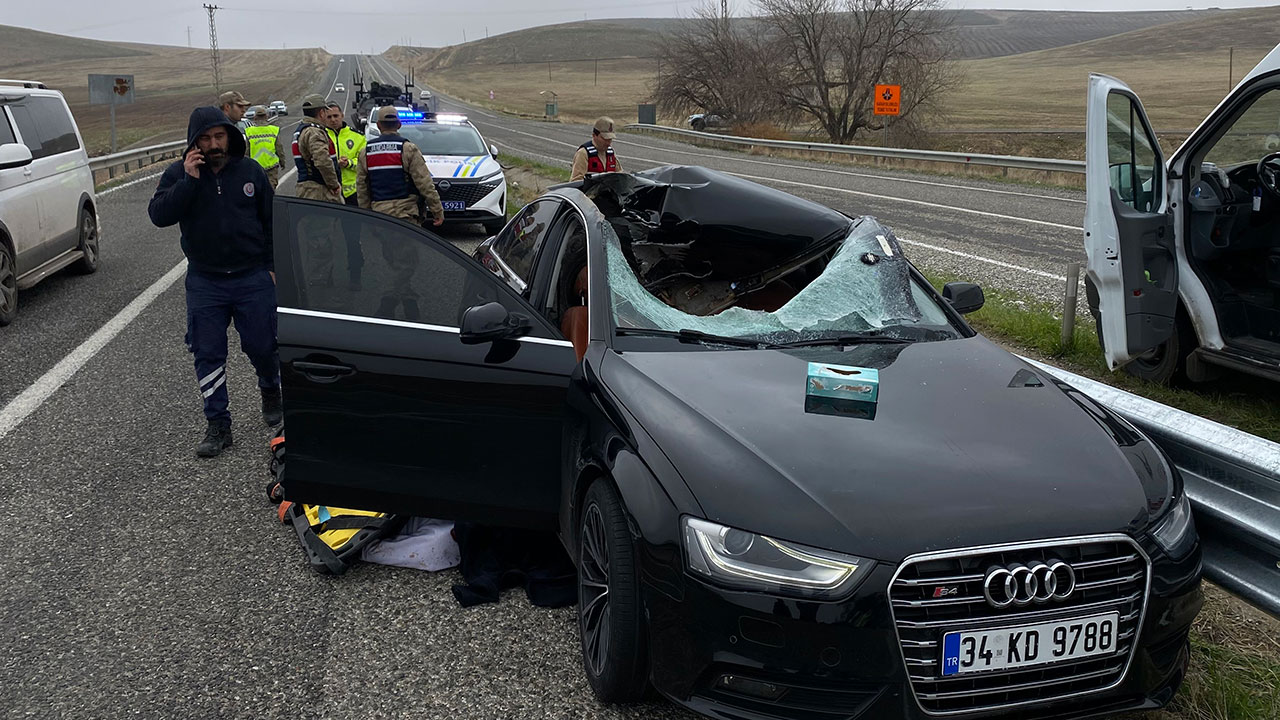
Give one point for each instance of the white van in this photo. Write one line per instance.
(1184, 258)
(48, 209)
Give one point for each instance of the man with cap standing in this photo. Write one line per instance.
(221, 200)
(315, 157)
(390, 177)
(596, 156)
(349, 144)
(264, 143)
(234, 105)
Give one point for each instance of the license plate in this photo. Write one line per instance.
(1028, 645)
(454, 205)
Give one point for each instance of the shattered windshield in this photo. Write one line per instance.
(865, 287)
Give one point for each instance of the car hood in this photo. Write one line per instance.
(461, 167)
(968, 446)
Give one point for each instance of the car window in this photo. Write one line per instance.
(45, 126)
(6, 131)
(1132, 158)
(866, 286)
(445, 139)
(367, 265)
(1252, 135)
(519, 241)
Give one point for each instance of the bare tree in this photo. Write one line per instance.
(831, 53)
(714, 64)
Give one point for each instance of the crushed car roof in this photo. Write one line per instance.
(681, 223)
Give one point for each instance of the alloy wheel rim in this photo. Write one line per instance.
(593, 590)
(8, 282)
(89, 231)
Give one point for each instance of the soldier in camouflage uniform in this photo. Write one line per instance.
(390, 178)
(316, 159)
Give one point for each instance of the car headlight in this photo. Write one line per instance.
(1176, 531)
(740, 559)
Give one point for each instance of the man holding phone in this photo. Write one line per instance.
(221, 200)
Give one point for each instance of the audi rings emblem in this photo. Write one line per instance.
(444, 185)
(1020, 585)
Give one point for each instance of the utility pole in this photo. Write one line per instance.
(188, 36)
(1231, 71)
(213, 50)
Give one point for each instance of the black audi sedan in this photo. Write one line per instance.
(795, 482)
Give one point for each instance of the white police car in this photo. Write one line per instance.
(467, 175)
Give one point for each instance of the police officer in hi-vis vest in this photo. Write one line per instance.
(264, 143)
(389, 179)
(597, 155)
(349, 144)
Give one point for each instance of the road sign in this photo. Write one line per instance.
(111, 90)
(888, 99)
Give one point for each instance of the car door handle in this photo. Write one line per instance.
(322, 372)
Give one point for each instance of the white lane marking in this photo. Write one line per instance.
(817, 168)
(46, 385)
(979, 258)
(847, 191)
(131, 183)
(287, 175)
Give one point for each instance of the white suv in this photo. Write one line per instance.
(48, 210)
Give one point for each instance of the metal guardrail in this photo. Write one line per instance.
(142, 157)
(1232, 479)
(1001, 161)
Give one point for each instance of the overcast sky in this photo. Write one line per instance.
(347, 26)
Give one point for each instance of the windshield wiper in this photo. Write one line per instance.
(850, 339)
(697, 336)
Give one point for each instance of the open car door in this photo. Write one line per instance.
(1128, 232)
(425, 387)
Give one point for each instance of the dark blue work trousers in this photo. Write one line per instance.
(213, 302)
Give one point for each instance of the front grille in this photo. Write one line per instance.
(1112, 574)
(469, 193)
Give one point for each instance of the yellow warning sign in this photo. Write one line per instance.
(888, 99)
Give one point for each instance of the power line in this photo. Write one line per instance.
(213, 50)
(425, 13)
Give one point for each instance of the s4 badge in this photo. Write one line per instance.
(941, 592)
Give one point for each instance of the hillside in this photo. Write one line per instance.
(1180, 70)
(976, 34)
(169, 80)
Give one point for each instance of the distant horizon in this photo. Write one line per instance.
(241, 28)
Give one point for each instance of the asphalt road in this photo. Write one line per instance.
(141, 581)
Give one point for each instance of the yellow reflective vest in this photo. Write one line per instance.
(262, 144)
(349, 144)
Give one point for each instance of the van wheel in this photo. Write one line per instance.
(699, 124)
(1164, 363)
(610, 620)
(88, 243)
(8, 285)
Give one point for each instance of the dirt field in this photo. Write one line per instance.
(1179, 82)
(170, 80)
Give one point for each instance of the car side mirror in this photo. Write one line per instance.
(493, 150)
(13, 155)
(965, 297)
(491, 321)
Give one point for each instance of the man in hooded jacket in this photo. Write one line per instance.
(221, 200)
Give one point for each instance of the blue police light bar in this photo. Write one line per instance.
(409, 117)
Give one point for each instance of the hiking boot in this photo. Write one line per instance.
(216, 439)
(272, 407)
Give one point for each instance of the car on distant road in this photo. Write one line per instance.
(471, 183)
(339, 88)
(794, 481)
(342, 60)
(277, 107)
(48, 207)
(1183, 270)
(702, 121)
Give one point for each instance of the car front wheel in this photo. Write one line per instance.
(699, 124)
(88, 263)
(8, 285)
(610, 619)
